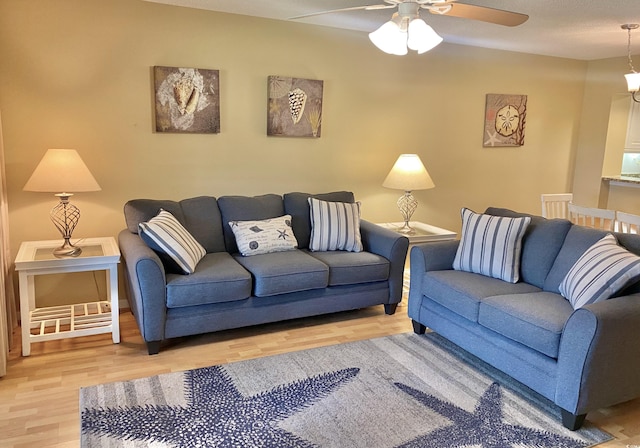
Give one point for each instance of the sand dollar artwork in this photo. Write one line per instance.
(504, 120)
(507, 120)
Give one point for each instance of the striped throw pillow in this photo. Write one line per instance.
(335, 226)
(491, 245)
(603, 270)
(165, 234)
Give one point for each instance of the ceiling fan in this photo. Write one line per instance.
(441, 7)
(407, 29)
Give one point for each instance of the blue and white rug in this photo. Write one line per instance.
(397, 391)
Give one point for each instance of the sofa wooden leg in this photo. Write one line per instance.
(418, 328)
(571, 421)
(153, 347)
(390, 308)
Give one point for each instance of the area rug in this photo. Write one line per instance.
(398, 391)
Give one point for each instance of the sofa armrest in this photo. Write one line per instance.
(146, 281)
(390, 245)
(435, 256)
(599, 356)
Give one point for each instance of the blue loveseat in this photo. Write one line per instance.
(228, 290)
(581, 359)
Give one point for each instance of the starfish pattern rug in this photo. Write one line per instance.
(398, 391)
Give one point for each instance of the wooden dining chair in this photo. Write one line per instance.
(554, 205)
(627, 223)
(597, 218)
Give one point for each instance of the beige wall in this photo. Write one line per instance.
(601, 138)
(77, 74)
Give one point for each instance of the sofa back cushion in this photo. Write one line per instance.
(297, 205)
(199, 215)
(247, 208)
(540, 245)
(578, 240)
(631, 242)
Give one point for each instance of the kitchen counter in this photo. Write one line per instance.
(624, 180)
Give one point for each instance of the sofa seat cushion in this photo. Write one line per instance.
(350, 268)
(284, 272)
(462, 292)
(533, 319)
(217, 278)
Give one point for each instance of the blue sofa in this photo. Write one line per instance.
(581, 359)
(228, 290)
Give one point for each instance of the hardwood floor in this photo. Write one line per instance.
(39, 395)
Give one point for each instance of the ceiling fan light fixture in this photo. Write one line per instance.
(403, 31)
(390, 39)
(421, 37)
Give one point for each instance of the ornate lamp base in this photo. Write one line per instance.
(407, 205)
(65, 217)
(67, 250)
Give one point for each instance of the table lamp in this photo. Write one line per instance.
(62, 170)
(408, 174)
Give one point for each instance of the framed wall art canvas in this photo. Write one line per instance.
(295, 107)
(504, 120)
(187, 100)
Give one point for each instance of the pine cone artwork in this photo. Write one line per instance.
(297, 101)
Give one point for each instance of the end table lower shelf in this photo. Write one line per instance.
(80, 319)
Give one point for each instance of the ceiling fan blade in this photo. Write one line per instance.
(484, 14)
(353, 8)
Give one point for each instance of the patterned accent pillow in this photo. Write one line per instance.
(164, 234)
(491, 245)
(335, 226)
(263, 237)
(603, 270)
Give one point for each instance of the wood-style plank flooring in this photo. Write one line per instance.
(39, 395)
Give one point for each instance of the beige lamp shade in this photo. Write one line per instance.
(408, 174)
(61, 170)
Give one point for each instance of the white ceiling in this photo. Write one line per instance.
(578, 29)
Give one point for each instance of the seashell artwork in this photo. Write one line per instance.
(504, 120)
(295, 107)
(297, 101)
(187, 100)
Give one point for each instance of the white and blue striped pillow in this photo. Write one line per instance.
(164, 233)
(603, 270)
(335, 226)
(491, 245)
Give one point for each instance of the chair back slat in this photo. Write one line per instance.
(554, 205)
(627, 223)
(597, 218)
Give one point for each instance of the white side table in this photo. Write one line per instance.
(424, 233)
(67, 321)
